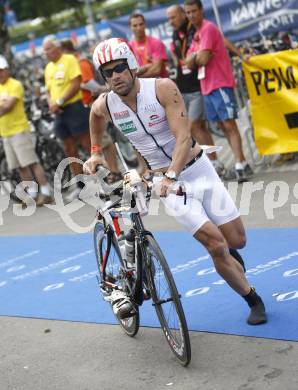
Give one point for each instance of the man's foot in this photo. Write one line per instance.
(257, 308)
(243, 173)
(121, 304)
(240, 175)
(257, 314)
(248, 170)
(44, 199)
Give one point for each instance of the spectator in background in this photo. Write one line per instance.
(17, 140)
(187, 79)
(91, 88)
(63, 81)
(209, 54)
(150, 52)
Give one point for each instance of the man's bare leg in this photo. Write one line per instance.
(230, 270)
(231, 131)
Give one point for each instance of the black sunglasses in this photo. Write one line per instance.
(108, 73)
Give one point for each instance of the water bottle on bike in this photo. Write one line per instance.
(130, 248)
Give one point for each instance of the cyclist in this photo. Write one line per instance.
(152, 114)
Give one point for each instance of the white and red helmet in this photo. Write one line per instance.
(111, 50)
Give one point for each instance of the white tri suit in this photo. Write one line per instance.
(148, 130)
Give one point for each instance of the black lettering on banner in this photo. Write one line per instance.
(267, 80)
(278, 77)
(281, 77)
(287, 79)
(292, 120)
(256, 78)
(290, 75)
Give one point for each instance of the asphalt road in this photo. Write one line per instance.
(46, 355)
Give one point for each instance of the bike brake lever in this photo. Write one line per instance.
(181, 192)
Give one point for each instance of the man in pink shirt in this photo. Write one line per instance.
(150, 52)
(209, 54)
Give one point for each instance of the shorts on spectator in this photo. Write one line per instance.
(72, 121)
(194, 103)
(20, 150)
(220, 105)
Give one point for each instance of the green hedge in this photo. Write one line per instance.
(52, 25)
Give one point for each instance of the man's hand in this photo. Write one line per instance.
(90, 165)
(165, 187)
(54, 108)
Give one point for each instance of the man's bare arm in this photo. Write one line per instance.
(235, 50)
(171, 99)
(98, 120)
(151, 70)
(7, 105)
(200, 58)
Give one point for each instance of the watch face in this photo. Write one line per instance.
(171, 175)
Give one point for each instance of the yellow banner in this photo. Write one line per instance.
(272, 82)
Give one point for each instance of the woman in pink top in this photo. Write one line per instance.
(150, 52)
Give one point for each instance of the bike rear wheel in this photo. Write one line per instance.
(166, 301)
(107, 251)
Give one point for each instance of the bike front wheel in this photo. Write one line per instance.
(166, 301)
(108, 258)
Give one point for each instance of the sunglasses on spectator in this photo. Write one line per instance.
(108, 73)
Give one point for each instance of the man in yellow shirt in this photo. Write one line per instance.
(17, 141)
(63, 80)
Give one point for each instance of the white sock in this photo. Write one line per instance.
(240, 165)
(45, 190)
(31, 191)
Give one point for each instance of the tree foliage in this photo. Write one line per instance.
(30, 9)
(5, 49)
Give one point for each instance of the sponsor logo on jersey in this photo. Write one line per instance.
(156, 120)
(151, 107)
(154, 117)
(127, 127)
(121, 114)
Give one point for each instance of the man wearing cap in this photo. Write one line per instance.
(17, 141)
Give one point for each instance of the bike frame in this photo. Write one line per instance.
(110, 216)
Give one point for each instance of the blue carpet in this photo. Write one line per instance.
(53, 277)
